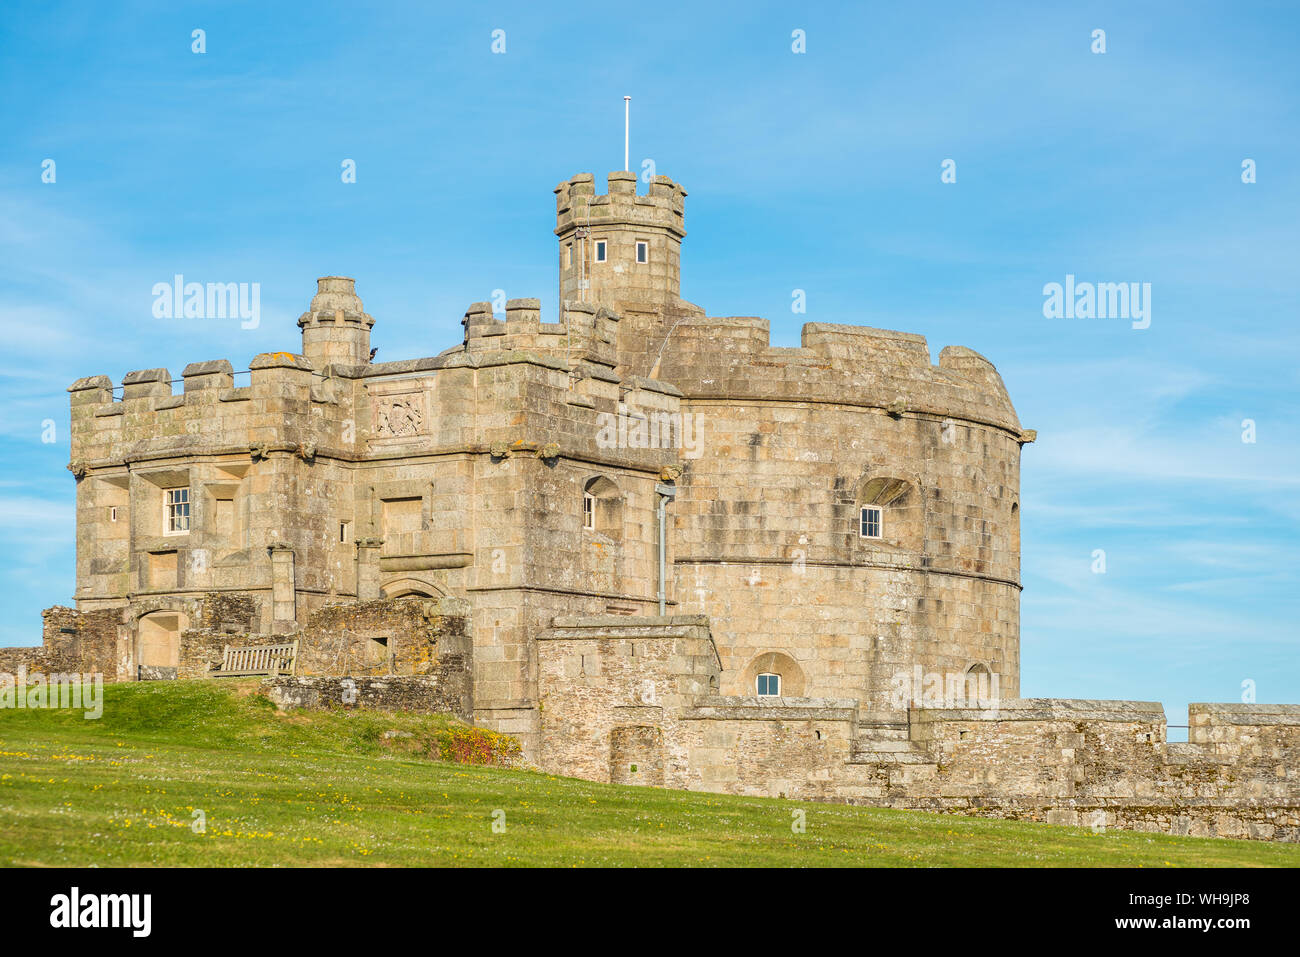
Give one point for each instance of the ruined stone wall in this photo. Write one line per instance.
(401, 636)
(75, 642)
(447, 692)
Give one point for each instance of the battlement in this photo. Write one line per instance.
(732, 357)
(577, 204)
(586, 332)
(211, 410)
(619, 249)
(197, 377)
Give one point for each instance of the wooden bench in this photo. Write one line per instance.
(258, 660)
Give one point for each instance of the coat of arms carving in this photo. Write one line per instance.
(399, 416)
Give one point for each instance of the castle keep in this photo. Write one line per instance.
(648, 543)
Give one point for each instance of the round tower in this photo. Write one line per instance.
(335, 327)
(620, 248)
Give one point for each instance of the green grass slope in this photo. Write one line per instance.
(330, 789)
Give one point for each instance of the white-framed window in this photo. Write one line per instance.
(588, 511)
(872, 521)
(601, 249)
(642, 251)
(769, 685)
(176, 511)
(112, 513)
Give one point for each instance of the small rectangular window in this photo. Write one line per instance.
(568, 255)
(871, 522)
(769, 686)
(589, 511)
(600, 250)
(176, 502)
(343, 532)
(112, 513)
(642, 252)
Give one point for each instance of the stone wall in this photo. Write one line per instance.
(447, 692)
(632, 700)
(92, 642)
(387, 636)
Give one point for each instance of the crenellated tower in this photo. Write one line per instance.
(623, 251)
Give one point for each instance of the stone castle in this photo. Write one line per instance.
(646, 542)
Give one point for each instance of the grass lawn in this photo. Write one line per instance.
(328, 789)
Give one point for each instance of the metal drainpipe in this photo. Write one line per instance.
(666, 493)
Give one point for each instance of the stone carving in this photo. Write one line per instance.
(399, 416)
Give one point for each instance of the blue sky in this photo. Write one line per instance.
(817, 171)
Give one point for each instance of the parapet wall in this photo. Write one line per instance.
(619, 696)
(212, 414)
(732, 358)
(584, 332)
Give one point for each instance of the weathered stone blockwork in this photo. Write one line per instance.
(446, 693)
(489, 517)
(625, 692)
(75, 642)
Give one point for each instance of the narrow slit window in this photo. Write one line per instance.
(589, 511)
(872, 520)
